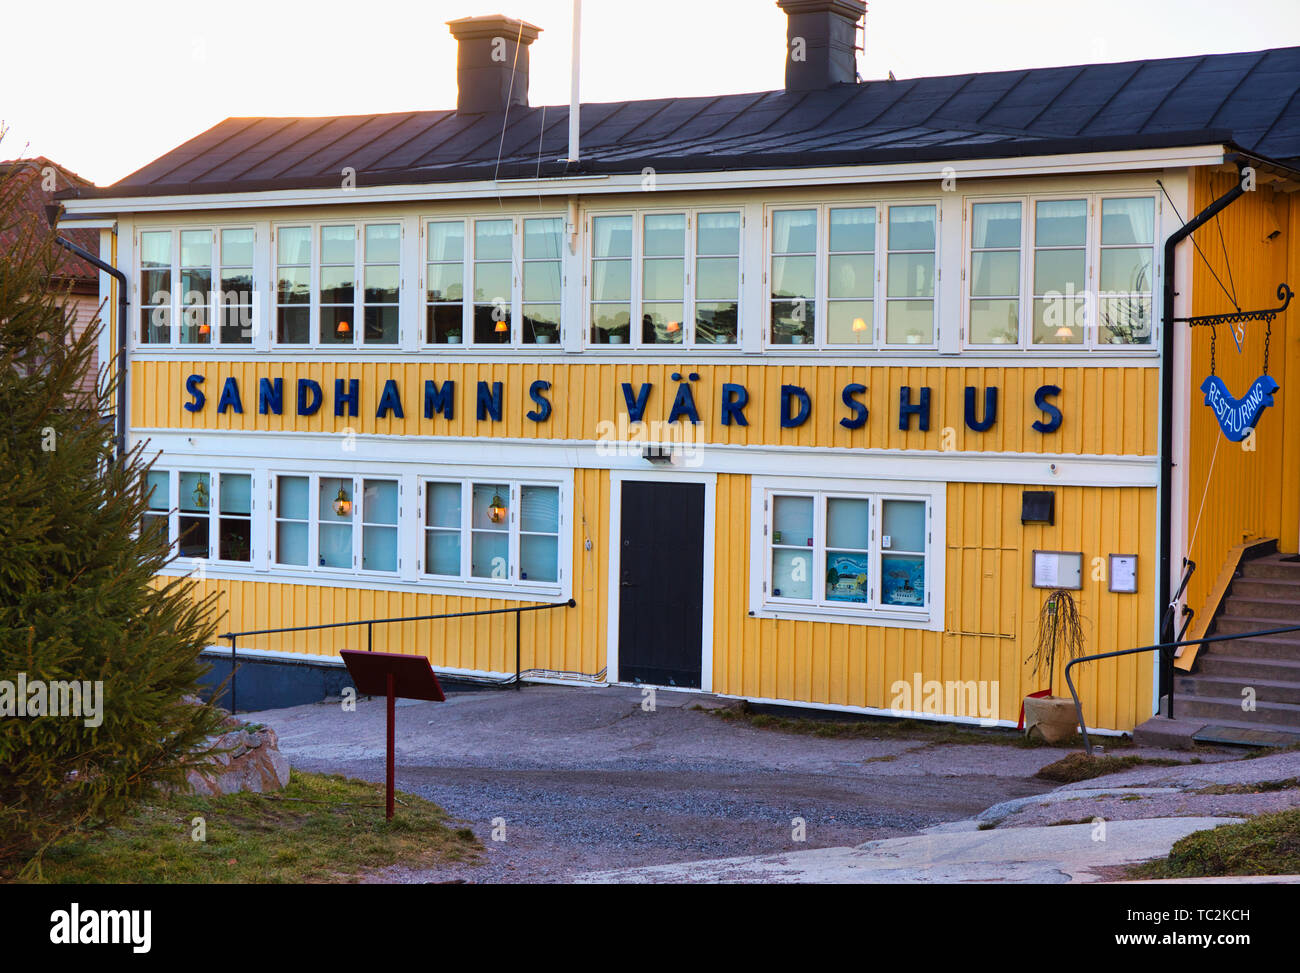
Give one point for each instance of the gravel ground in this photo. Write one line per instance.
(587, 780)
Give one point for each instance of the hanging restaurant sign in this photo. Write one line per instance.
(1237, 417)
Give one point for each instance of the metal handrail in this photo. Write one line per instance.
(1078, 707)
(370, 624)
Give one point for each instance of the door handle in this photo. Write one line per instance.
(627, 584)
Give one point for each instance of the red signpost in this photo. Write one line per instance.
(392, 674)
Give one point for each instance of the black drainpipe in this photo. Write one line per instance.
(122, 298)
(1168, 620)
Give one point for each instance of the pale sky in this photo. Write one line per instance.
(104, 88)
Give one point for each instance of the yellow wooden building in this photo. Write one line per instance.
(807, 396)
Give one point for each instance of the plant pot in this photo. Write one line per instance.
(1050, 718)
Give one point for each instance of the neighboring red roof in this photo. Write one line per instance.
(37, 197)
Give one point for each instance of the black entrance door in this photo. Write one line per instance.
(661, 583)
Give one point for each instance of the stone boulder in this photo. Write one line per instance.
(249, 759)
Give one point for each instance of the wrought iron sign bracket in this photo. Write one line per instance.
(1284, 294)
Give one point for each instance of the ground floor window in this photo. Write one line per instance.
(206, 515)
(830, 548)
(340, 522)
(492, 531)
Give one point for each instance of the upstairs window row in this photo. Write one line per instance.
(1036, 272)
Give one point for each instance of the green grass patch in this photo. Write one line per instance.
(1265, 845)
(321, 828)
(1258, 787)
(1079, 766)
(879, 728)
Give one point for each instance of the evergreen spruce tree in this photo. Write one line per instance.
(80, 599)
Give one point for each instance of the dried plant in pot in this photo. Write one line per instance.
(1060, 639)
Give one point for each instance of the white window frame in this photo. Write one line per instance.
(358, 342)
(173, 514)
(313, 565)
(1092, 274)
(879, 293)
(690, 257)
(177, 304)
(763, 604)
(488, 586)
(516, 342)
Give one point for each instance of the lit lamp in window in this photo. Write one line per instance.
(859, 328)
(501, 327)
(201, 495)
(673, 327)
(342, 505)
(343, 329)
(1065, 333)
(205, 328)
(496, 510)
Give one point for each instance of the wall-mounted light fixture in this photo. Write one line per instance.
(496, 509)
(342, 505)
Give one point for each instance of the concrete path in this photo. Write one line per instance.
(1047, 855)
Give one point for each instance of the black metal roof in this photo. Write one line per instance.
(1249, 100)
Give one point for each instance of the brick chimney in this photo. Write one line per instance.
(491, 62)
(821, 40)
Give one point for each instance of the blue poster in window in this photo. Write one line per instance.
(902, 581)
(846, 577)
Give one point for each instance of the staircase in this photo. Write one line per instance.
(1264, 594)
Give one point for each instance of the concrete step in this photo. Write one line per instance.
(1276, 589)
(1244, 668)
(1263, 609)
(1271, 567)
(1246, 735)
(1230, 687)
(1283, 646)
(1228, 710)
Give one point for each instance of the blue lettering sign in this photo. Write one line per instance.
(1237, 417)
(197, 398)
(543, 410)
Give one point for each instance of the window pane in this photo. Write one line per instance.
(446, 241)
(610, 322)
(911, 227)
(195, 492)
(539, 558)
(291, 497)
(1058, 321)
(539, 509)
(237, 248)
(381, 285)
(492, 323)
(442, 552)
(490, 555)
(157, 486)
(379, 503)
(335, 546)
(717, 234)
(446, 282)
(849, 322)
(995, 225)
(848, 524)
(995, 322)
(612, 236)
(294, 325)
(902, 581)
(611, 280)
(489, 507)
(1126, 271)
(290, 543)
(903, 525)
(716, 323)
(194, 536)
(909, 322)
(792, 573)
(379, 548)
(794, 276)
(1127, 221)
(294, 285)
(492, 283)
(911, 275)
(1060, 223)
(383, 243)
(542, 239)
(336, 490)
(381, 325)
(1125, 321)
(542, 281)
(196, 248)
(338, 244)
(336, 285)
(793, 322)
(293, 244)
(792, 521)
(542, 323)
(853, 229)
(235, 539)
(847, 574)
(995, 274)
(717, 278)
(851, 276)
(156, 248)
(236, 493)
(493, 239)
(664, 279)
(336, 325)
(1058, 271)
(794, 231)
(661, 323)
(665, 235)
(446, 323)
(442, 505)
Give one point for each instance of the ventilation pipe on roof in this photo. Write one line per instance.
(821, 42)
(491, 62)
(575, 104)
